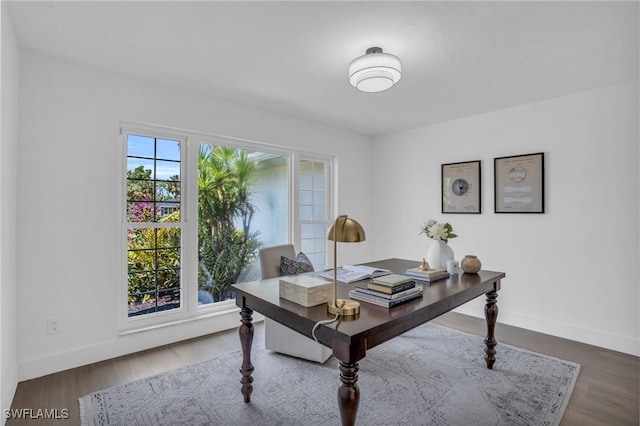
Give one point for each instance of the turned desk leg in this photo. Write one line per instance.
(348, 393)
(491, 314)
(246, 340)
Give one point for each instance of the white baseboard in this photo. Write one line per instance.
(598, 338)
(123, 345)
(127, 344)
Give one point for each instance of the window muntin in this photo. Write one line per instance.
(153, 179)
(153, 260)
(313, 207)
(153, 214)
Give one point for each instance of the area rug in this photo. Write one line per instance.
(429, 376)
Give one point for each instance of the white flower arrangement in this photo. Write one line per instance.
(439, 231)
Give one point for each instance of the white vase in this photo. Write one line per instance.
(438, 255)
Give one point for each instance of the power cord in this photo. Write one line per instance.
(319, 323)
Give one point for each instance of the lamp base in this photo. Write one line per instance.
(344, 307)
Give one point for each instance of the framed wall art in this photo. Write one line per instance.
(461, 187)
(519, 183)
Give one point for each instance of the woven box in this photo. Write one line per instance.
(306, 290)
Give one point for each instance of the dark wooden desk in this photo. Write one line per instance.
(351, 337)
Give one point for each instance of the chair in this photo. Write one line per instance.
(279, 338)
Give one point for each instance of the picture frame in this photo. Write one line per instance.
(519, 183)
(461, 189)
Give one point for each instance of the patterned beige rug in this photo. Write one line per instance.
(429, 376)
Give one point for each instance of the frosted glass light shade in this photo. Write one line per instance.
(375, 71)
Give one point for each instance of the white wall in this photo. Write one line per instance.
(68, 247)
(8, 174)
(571, 272)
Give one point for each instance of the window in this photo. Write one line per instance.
(242, 205)
(153, 224)
(197, 210)
(313, 208)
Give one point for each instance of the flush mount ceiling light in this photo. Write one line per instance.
(375, 71)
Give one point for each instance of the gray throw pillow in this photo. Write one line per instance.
(299, 265)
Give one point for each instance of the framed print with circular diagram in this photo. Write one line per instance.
(519, 183)
(461, 187)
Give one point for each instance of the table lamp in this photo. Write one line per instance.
(343, 230)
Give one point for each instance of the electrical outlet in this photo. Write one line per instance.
(54, 325)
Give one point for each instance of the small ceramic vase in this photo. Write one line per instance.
(470, 264)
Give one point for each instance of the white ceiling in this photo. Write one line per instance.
(459, 58)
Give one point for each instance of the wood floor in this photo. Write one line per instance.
(606, 393)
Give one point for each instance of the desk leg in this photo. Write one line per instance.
(246, 339)
(348, 393)
(491, 314)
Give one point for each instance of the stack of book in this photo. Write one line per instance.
(388, 291)
(428, 275)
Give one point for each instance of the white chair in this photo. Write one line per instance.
(279, 338)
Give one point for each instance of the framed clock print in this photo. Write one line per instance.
(461, 187)
(519, 183)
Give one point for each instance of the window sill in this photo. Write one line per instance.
(196, 317)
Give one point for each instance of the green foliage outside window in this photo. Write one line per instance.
(225, 210)
(153, 254)
(153, 259)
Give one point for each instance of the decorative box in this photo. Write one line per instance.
(306, 290)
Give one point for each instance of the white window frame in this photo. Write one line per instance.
(190, 141)
(145, 321)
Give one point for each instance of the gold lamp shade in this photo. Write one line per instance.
(343, 230)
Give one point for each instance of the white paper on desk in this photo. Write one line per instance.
(353, 273)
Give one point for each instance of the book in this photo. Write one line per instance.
(399, 295)
(380, 301)
(353, 273)
(428, 275)
(391, 280)
(430, 280)
(428, 272)
(391, 290)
